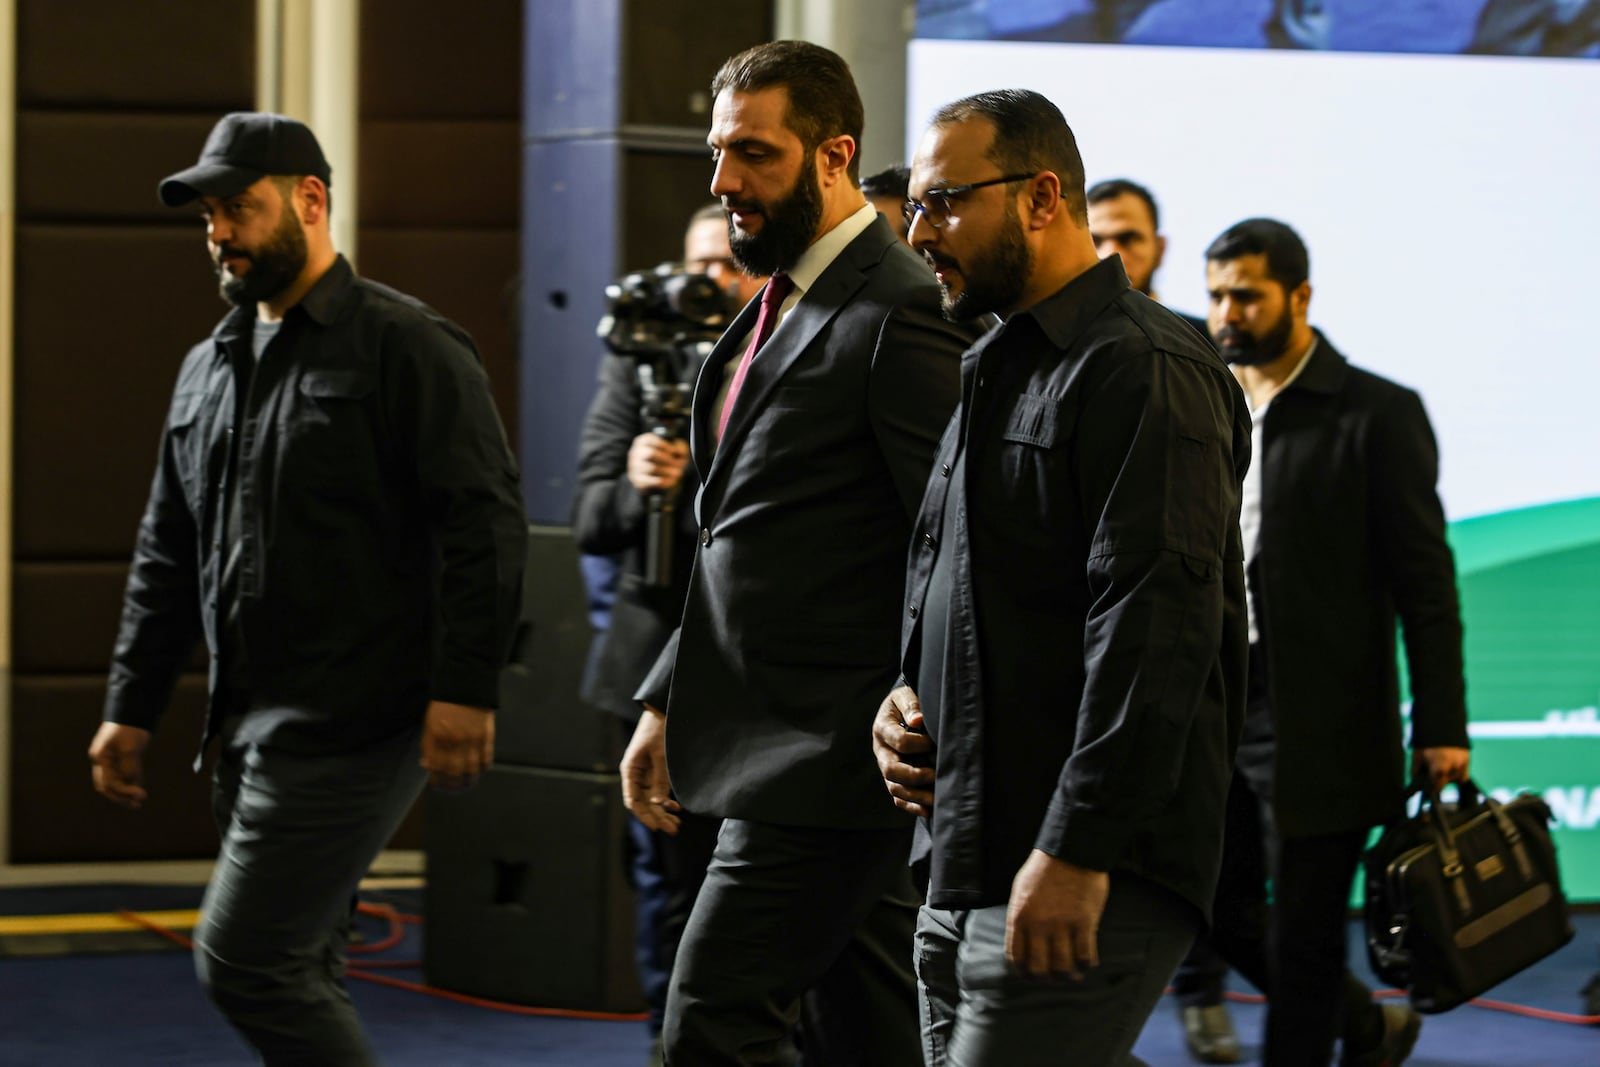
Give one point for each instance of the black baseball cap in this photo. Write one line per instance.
(243, 148)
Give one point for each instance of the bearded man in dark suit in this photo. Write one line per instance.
(814, 425)
(1343, 535)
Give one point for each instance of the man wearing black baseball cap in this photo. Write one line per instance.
(336, 511)
(243, 148)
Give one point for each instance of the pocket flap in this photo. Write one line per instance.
(1044, 421)
(186, 408)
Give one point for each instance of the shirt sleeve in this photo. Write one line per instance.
(608, 514)
(161, 605)
(471, 498)
(1156, 467)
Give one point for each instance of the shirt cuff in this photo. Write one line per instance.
(1093, 840)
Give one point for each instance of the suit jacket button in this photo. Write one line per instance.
(705, 537)
(913, 613)
(928, 540)
(945, 470)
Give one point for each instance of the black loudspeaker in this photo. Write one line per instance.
(527, 900)
(542, 720)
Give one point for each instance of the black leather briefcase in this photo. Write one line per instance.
(1461, 897)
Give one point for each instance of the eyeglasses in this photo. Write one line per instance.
(935, 203)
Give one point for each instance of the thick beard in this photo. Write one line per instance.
(273, 267)
(995, 278)
(1255, 351)
(791, 225)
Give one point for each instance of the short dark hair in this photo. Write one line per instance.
(288, 183)
(823, 101)
(1288, 262)
(1115, 187)
(1030, 134)
(892, 181)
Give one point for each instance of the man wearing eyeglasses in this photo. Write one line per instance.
(814, 425)
(1073, 635)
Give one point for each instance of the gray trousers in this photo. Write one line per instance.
(298, 833)
(978, 1012)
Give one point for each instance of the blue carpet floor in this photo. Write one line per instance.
(143, 1008)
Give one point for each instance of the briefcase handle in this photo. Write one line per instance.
(1472, 801)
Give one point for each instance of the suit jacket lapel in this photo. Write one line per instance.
(816, 308)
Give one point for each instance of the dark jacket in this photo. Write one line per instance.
(610, 517)
(1093, 686)
(1352, 537)
(788, 640)
(381, 528)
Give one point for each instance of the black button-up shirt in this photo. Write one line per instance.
(379, 535)
(1093, 684)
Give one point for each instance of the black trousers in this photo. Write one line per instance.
(1201, 979)
(667, 870)
(1294, 949)
(790, 912)
(298, 833)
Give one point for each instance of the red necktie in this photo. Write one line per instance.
(778, 287)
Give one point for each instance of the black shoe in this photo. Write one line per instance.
(1208, 1033)
(1401, 1026)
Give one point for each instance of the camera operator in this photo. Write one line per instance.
(634, 470)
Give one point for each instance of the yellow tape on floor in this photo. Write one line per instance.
(94, 924)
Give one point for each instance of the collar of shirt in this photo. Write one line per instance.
(322, 303)
(1257, 414)
(824, 250)
(1064, 314)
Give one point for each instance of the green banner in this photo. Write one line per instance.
(1530, 602)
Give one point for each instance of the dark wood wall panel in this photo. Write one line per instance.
(111, 290)
(422, 59)
(94, 166)
(471, 272)
(69, 614)
(672, 48)
(56, 817)
(443, 173)
(195, 55)
(440, 144)
(104, 316)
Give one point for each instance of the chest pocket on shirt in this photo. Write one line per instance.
(330, 430)
(1041, 421)
(1033, 460)
(186, 430)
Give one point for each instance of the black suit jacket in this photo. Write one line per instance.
(1352, 537)
(790, 630)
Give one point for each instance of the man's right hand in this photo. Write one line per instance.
(117, 753)
(656, 464)
(646, 790)
(896, 735)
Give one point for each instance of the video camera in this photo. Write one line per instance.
(667, 319)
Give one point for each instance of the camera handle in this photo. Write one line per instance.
(661, 519)
(661, 509)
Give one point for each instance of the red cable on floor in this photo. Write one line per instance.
(395, 918)
(396, 931)
(360, 969)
